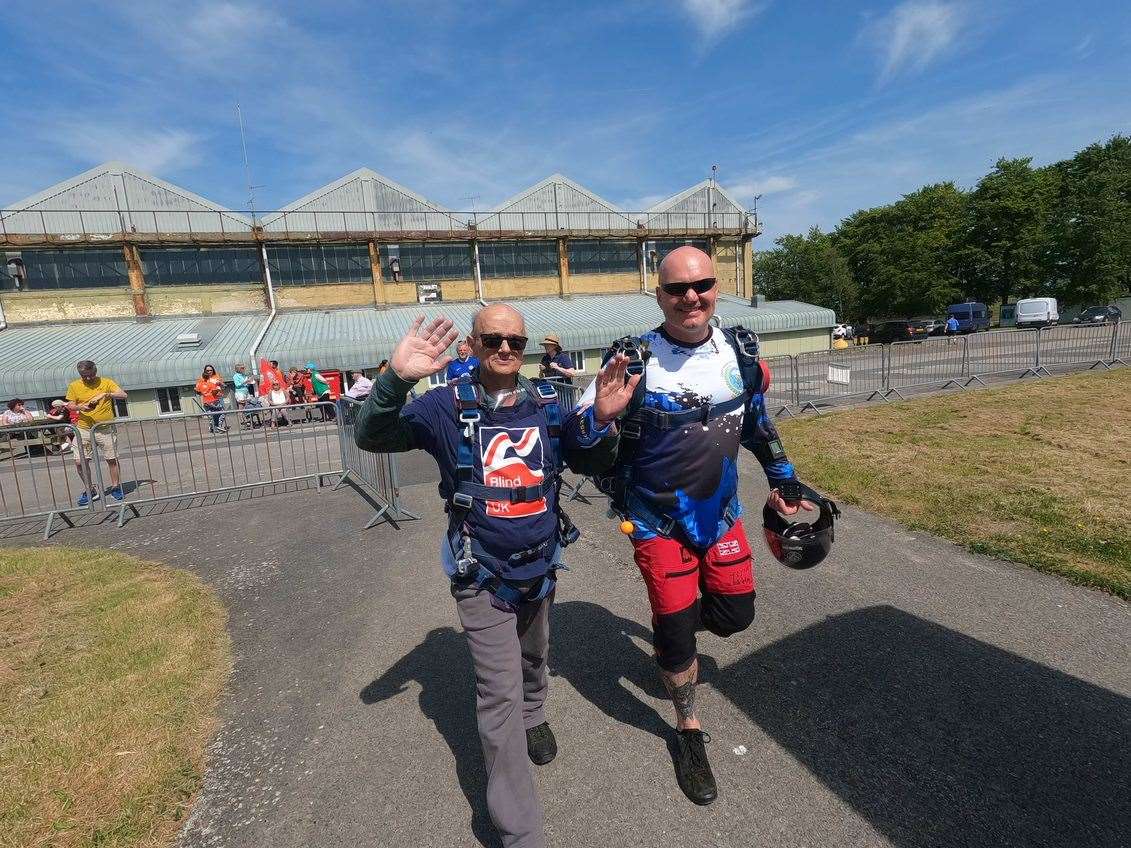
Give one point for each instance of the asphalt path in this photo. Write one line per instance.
(903, 693)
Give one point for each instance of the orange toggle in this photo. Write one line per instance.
(627, 527)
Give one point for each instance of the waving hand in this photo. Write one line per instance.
(422, 353)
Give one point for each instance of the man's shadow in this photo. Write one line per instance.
(597, 651)
(441, 664)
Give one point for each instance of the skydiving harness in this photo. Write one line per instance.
(637, 418)
(470, 571)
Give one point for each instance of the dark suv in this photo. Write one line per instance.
(903, 330)
(1099, 315)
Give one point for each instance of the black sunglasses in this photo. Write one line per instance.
(680, 289)
(495, 340)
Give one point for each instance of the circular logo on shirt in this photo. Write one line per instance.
(733, 378)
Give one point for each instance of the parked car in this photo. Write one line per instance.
(1037, 312)
(1099, 315)
(902, 330)
(933, 326)
(971, 316)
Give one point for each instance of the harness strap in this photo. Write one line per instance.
(513, 494)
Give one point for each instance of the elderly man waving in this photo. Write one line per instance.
(494, 435)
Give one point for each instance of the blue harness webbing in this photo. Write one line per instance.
(470, 571)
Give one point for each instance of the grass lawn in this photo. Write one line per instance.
(1038, 472)
(110, 672)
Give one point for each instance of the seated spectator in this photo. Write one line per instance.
(16, 414)
(361, 386)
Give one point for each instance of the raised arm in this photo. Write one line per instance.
(590, 440)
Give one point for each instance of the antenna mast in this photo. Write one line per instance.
(247, 169)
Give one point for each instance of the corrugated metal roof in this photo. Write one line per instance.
(112, 198)
(362, 200)
(363, 337)
(38, 361)
(689, 209)
(556, 203)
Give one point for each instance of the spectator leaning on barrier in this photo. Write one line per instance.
(210, 387)
(462, 364)
(361, 387)
(952, 330)
(494, 435)
(93, 398)
(16, 415)
(556, 363)
(671, 469)
(322, 392)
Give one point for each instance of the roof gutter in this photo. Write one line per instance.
(270, 318)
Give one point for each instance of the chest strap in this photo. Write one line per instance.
(513, 494)
(661, 419)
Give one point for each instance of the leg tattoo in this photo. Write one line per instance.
(681, 689)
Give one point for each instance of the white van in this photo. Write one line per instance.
(1036, 312)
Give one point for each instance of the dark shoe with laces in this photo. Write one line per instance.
(692, 769)
(541, 744)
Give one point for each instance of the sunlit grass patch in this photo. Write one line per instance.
(1038, 472)
(110, 672)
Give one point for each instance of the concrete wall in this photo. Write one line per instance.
(205, 300)
(318, 297)
(50, 305)
(604, 283)
(795, 341)
(729, 280)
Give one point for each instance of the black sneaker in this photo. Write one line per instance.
(541, 744)
(692, 769)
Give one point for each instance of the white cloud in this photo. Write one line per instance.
(746, 190)
(715, 18)
(914, 34)
(156, 151)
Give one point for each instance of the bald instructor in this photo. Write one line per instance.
(668, 457)
(494, 435)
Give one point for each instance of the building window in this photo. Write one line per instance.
(438, 379)
(597, 256)
(432, 261)
(316, 264)
(201, 266)
(121, 408)
(169, 401)
(68, 269)
(577, 360)
(518, 259)
(660, 248)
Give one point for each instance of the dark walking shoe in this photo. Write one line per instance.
(692, 769)
(541, 744)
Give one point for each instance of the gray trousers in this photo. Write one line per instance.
(509, 651)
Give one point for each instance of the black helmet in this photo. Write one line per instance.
(803, 544)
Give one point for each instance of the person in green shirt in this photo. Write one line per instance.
(322, 392)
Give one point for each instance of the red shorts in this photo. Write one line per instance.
(675, 574)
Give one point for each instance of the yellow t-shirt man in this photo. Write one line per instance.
(80, 392)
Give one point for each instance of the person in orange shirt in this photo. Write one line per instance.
(211, 389)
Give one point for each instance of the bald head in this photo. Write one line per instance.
(686, 264)
(488, 314)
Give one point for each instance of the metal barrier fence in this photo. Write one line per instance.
(997, 352)
(782, 393)
(1121, 344)
(161, 459)
(1072, 346)
(832, 375)
(41, 476)
(931, 362)
(374, 473)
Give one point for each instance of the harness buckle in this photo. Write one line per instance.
(747, 342)
(463, 500)
(630, 429)
(525, 494)
(546, 392)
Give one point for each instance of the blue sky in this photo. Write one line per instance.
(822, 108)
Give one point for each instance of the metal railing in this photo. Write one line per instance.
(62, 226)
(41, 474)
(188, 456)
(373, 473)
(827, 378)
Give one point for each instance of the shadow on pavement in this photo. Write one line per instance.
(940, 740)
(441, 664)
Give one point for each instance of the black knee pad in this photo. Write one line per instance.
(674, 638)
(725, 615)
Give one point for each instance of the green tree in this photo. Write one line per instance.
(1009, 244)
(1090, 255)
(906, 258)
(807, 268)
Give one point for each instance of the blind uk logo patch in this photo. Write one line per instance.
(512, 457)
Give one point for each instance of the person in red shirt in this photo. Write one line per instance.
(211, 389)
